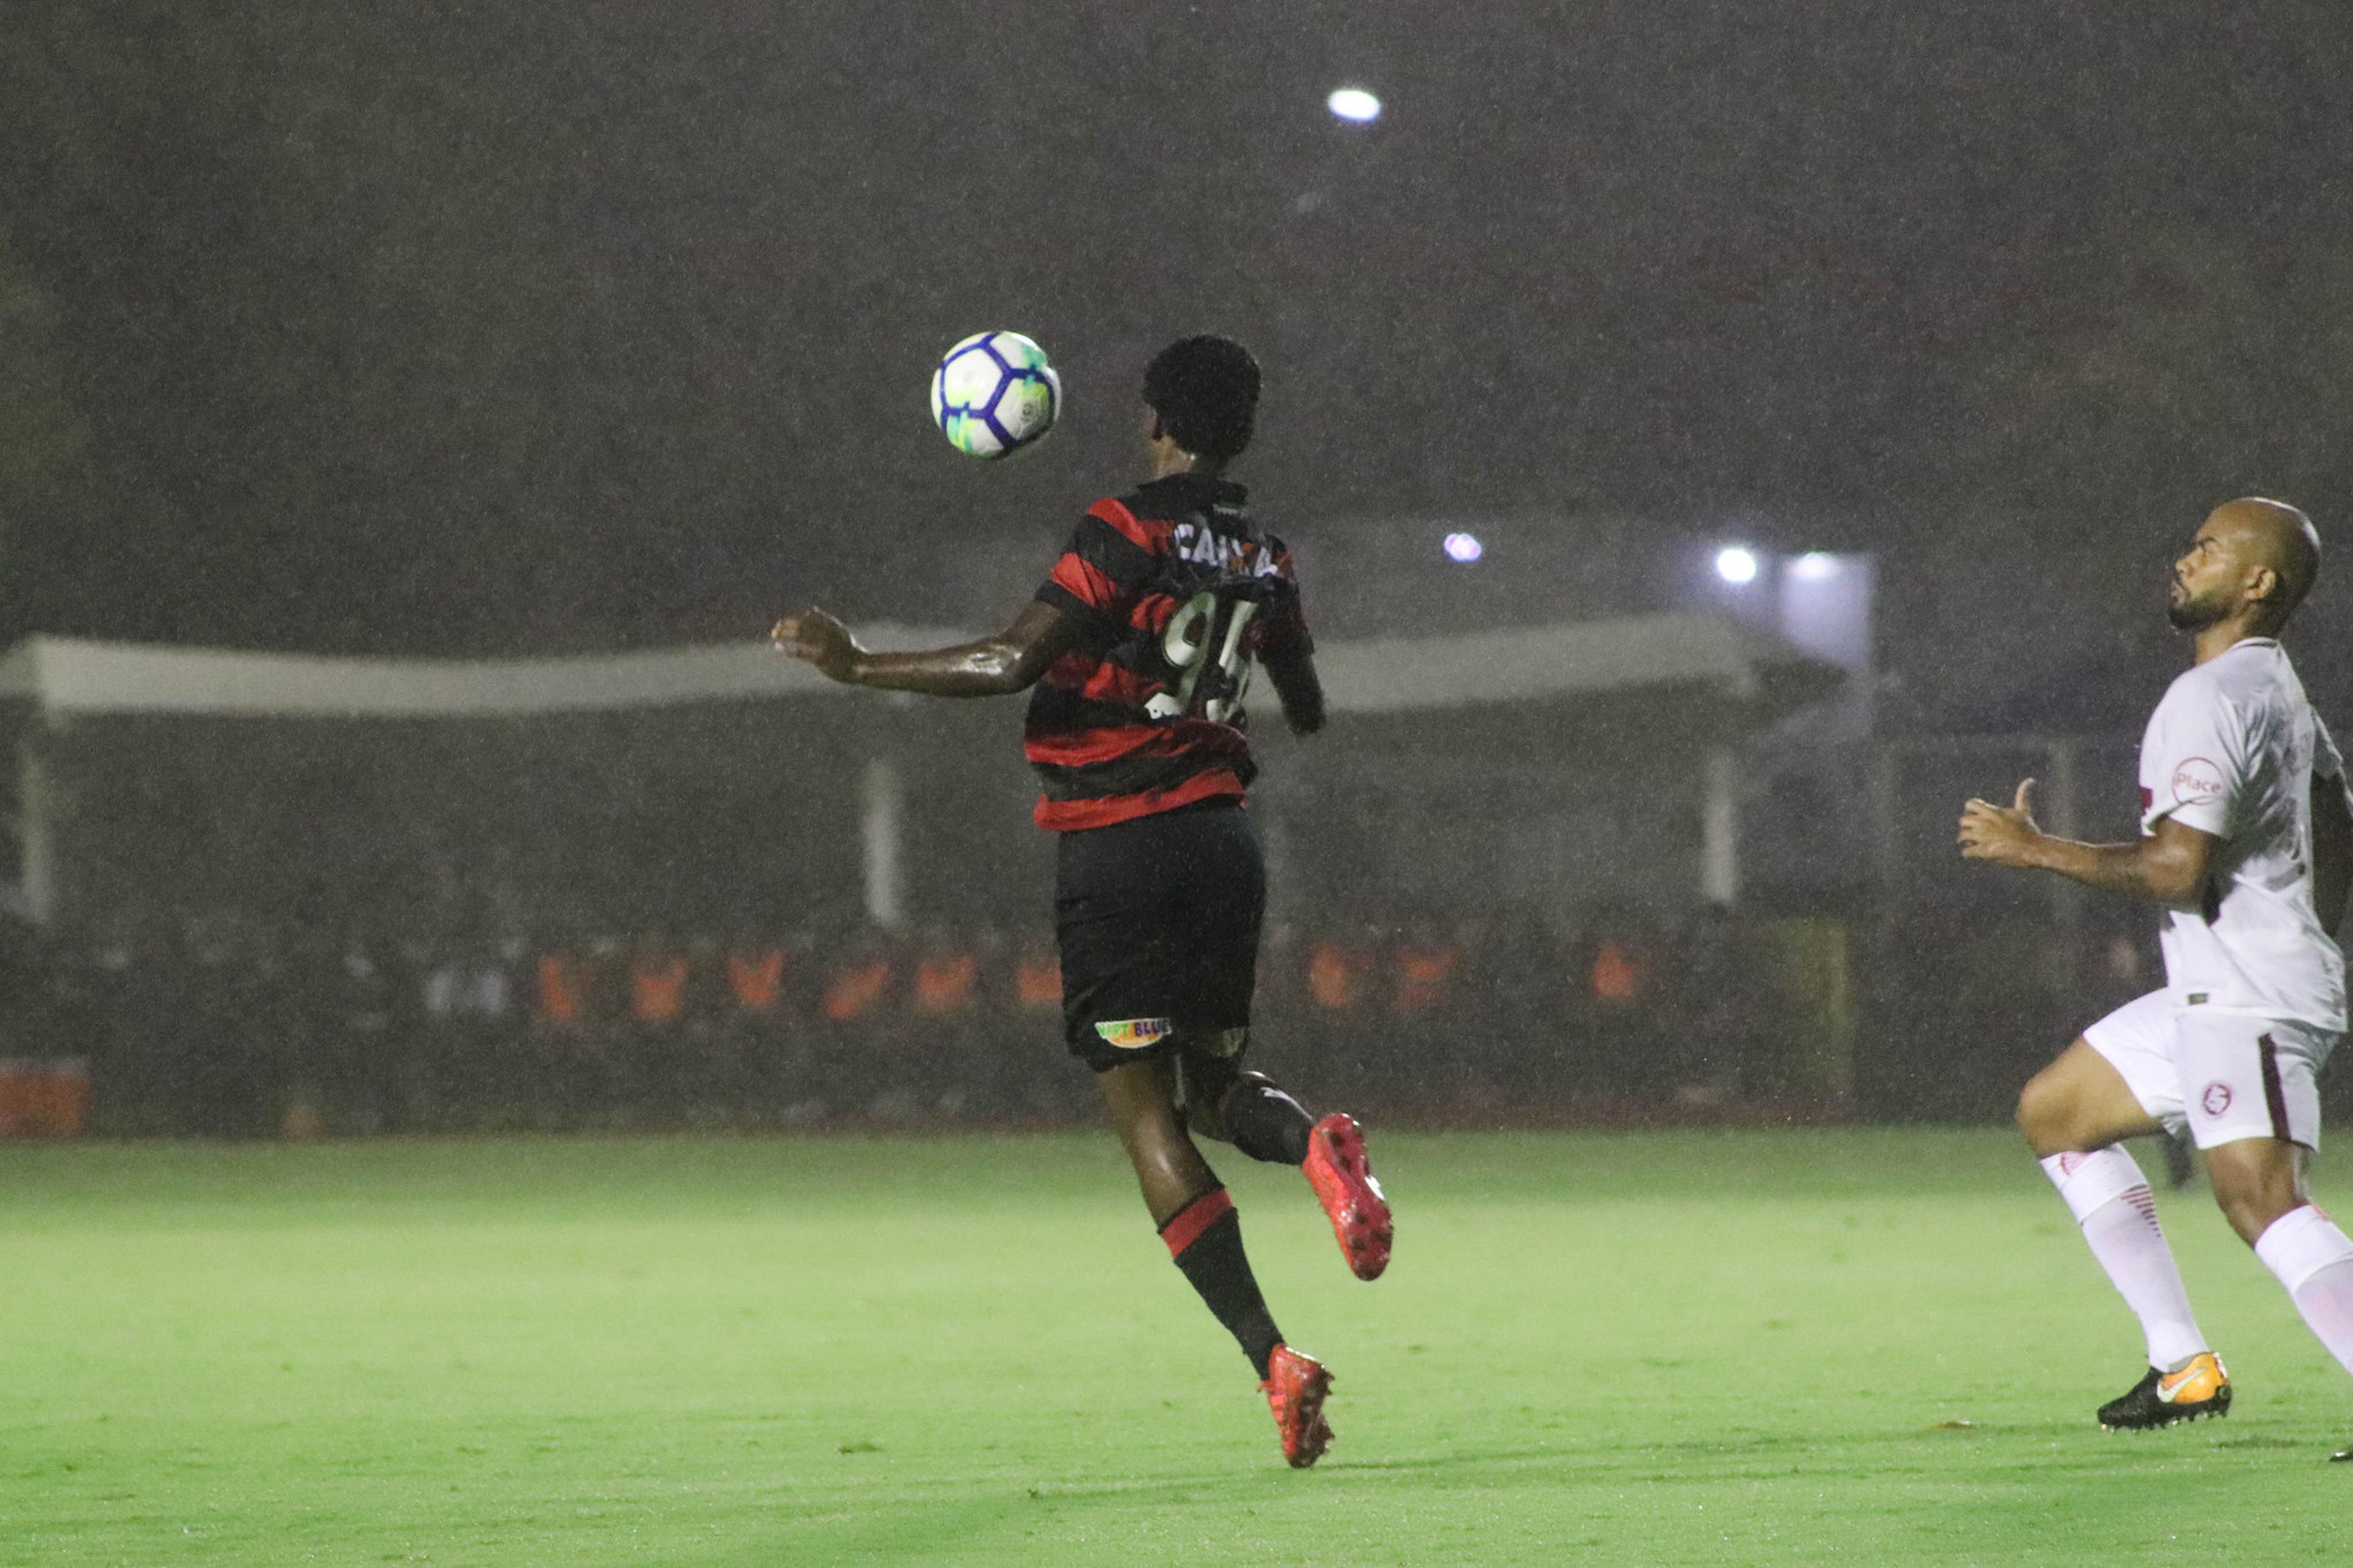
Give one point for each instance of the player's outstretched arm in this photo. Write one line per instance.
(1299, 689)
(2332, 851)
(1010, 661)
(2168, 866)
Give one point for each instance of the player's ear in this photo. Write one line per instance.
(2263, 585)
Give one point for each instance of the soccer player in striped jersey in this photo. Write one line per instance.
(1140, 648)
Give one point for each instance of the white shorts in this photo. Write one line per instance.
(2224, 1075)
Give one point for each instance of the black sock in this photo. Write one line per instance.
(1206, 1240)
(1266, 1123)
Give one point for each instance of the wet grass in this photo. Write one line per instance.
(1821, 1346)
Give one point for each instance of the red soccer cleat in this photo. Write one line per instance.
(1296, 1388)
(1343, 1179)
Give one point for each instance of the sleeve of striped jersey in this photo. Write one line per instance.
(1286, 620)
(1104, 570)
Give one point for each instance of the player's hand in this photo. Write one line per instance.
(2003, 835)
(813, 637)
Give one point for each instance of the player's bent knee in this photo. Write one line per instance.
(1205, 1081)
(1203, 1121)
(2029, 1113)
(1251, 1080)
(2047, 1113)
(2254, 1183)
(2251, 1213)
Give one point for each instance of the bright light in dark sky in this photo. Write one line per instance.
(1734, 565)
(1463, 548)
(1814, 567)
(1590, 215)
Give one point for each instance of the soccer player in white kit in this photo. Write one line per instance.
(2247, 842)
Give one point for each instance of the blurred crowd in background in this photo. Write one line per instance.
(468, 986)
(226, 1025)
(230, 1025)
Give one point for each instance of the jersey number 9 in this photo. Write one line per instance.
(1193, 632)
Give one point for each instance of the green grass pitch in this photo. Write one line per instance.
(1870, 1346)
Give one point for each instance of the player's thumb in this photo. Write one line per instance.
(2024, 804)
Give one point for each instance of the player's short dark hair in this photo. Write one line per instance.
(1205, 390)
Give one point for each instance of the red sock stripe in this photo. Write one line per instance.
(1194, 1218)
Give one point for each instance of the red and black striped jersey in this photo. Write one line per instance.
(1180, 594)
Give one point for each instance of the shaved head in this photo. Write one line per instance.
(2251, 566)
(2274, 534)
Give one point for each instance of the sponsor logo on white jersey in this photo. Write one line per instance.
(2196, 782)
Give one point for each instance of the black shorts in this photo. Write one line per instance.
(1159, 919)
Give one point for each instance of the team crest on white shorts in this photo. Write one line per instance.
(2217, 1099)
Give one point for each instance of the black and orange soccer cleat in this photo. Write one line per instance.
(2200, 1388)
(1343, 1179)
(1296, 1388)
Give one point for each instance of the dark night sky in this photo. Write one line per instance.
(475, 327)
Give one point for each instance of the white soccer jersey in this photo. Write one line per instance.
(2232, 751)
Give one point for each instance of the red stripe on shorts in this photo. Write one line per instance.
(2274, 1099)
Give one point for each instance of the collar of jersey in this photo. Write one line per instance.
(1216, 484)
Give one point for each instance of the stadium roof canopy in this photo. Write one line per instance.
(1660, 699)
(1623, 657)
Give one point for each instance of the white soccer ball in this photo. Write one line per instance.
(994, 393)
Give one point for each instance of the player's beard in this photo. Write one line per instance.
(2188, 613)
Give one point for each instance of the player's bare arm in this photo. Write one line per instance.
(2168, 866)
(1299, 689)
(2332, 851)
(1010, 661)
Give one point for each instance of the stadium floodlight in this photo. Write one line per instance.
(1463, 548)
(1814, 567)
(1356, 104)
(1736, 563)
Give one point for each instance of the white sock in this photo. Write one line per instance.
(2110, 1201)
(2315, 1260)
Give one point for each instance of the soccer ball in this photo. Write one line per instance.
(994, 393)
